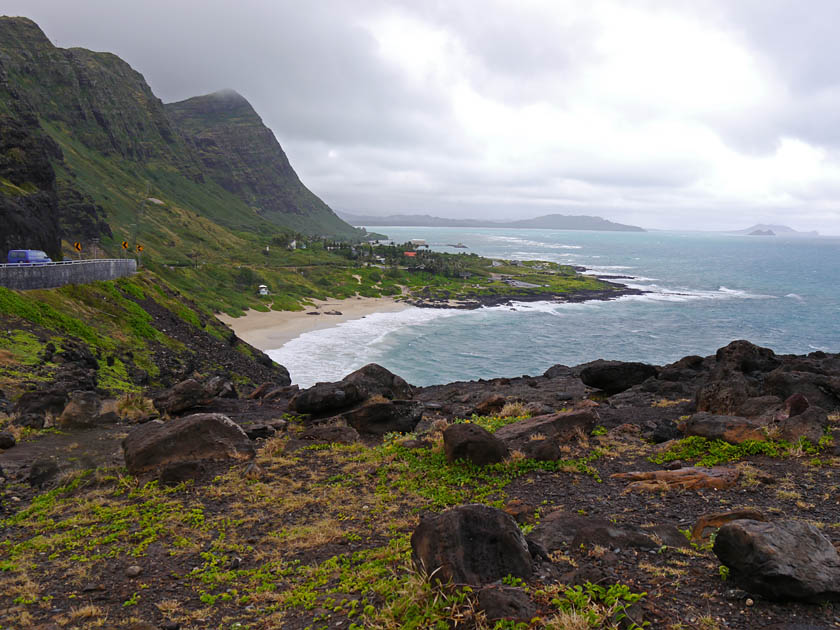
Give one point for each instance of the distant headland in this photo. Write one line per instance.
(546, 222)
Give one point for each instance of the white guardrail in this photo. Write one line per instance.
(63, 262)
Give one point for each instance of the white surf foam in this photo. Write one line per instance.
(332, 353)
(657, 293)
(524, 241)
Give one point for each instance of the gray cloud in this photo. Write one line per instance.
(669, 114)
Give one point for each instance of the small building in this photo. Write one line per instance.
(418, 242)
(262, 290)
(410, 254)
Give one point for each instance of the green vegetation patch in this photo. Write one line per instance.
(707, 452)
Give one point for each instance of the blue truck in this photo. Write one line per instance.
(28, 257)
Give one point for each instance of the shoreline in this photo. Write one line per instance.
(273, 329)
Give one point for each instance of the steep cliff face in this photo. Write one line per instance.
(85, 141)
(243, 155)
(106, 103)
(28, 200)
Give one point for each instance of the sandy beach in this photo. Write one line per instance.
(271, 330)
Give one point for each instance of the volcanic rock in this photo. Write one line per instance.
(810, 425)
(542, 450)
(43, 472)
(724, 396)
(379, 416)
(489, 405)
(7, 440)
(759, 406)
(506, 603)
(782, 560)
(81, 411)
(473, 443)
(558, 370)
(562, 529)
(743, 356)
(30, 420)
(42, 402)
(470, 544)
(558, 427)
(326, 398)
(615, 376)
(796, 404)
(732, 429)
(374, 380)
(820, 389)
(185, 395)
(197, 438)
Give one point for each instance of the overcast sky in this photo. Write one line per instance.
(702, 113)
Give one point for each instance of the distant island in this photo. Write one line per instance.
(765, 229)
(547, 222)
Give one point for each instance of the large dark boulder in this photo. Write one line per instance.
(7, 440)
(760, 406)
(725, 396)
(42, 402)
(490, 405)
(43, 472)
(506, 603)
(200, 437)
(782, 560)
(745, 357)
(471, 544)
(472, 443)
(379, 416)
(810, 425)
(820, 389)
(615, 376)
(557, 427)
(326, 398)
(81, 411)
(558, 370)
(732, 429)
(375, 380)
(185, 395)
(562, 530)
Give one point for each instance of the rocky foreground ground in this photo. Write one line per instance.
(700, 495)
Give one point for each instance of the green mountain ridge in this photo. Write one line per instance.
(84, 141)
(243, 155)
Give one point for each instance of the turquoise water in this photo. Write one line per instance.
(705, 290)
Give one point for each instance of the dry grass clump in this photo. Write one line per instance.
(664, 402)
(516, 409)
(133, 406)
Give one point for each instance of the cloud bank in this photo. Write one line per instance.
(701, 114)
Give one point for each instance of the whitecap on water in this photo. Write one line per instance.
(332, 353)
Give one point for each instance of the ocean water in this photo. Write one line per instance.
(704, 290)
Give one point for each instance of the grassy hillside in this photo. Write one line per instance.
(119, 336)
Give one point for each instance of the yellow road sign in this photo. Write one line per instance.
(139, 248)
(125, 244)
(77, 246)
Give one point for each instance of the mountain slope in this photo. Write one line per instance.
(242, 154)
(85, 143)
